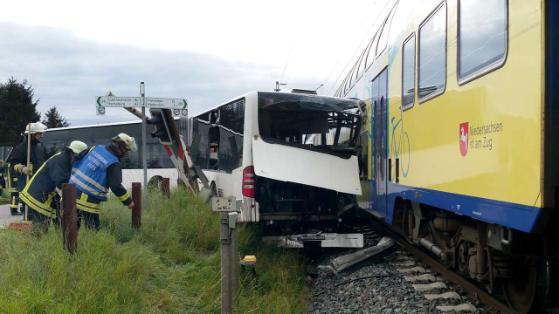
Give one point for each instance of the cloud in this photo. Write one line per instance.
(70, 72)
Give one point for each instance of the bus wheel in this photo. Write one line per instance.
(154, 182)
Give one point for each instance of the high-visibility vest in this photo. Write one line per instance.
(90, 173)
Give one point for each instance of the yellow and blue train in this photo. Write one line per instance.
(461, 142)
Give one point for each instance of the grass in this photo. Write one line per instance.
(4, 197)
(170, 265)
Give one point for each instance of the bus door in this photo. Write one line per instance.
(380, 143)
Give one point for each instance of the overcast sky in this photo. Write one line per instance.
(205, 51)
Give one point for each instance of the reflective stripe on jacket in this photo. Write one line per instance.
(39, 192)
(90, 174)
(88, 204)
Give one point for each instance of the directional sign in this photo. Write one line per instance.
(166, 103)
(150, 102)
(114, 101)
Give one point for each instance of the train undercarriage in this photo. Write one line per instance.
(517, 267)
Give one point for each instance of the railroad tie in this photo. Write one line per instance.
(423, 277)
(464, 307)
(429, 286)
(443, 296)
(417, 269)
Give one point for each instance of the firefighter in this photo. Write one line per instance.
(98, 171)
(40, 193)
(18, 169)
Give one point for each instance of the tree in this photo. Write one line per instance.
(17, 109)
(53, 119)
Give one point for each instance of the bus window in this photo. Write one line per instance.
(432, 54)
(200, 142)
(308, 122)
(408, 73)
(482, 37)
(232, 119)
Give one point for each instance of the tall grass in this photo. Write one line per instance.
(170, 265)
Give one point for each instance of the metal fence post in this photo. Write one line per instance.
(69, 218)
(137, 209)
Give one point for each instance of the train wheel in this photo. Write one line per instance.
(526, 291)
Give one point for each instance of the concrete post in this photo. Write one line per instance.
(137, 209)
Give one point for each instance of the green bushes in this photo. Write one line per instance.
(170, 265)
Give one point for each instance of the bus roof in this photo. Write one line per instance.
(255, 94)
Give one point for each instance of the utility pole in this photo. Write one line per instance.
(144, 127)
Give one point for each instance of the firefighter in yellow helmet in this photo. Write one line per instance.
(40, 193)
(18, 169)
(96, 173)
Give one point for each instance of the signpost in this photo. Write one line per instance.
(143, 102)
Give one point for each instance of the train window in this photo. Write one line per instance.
(432, 54)
(482, 37)
(408, 73)
(383, 39)
(369, 56)
(359, 65)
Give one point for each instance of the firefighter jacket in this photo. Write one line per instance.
(93, 175)
(39, 192)
(19, 156)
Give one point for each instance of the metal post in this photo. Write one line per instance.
(137, 209)
(144, 122)
(225, 239)
(234, 266)
(69, 218)
(166, 187)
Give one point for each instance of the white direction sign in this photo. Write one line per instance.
(150, 102)
(166, 103)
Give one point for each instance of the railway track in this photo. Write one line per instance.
(492, 305)
(429, 285)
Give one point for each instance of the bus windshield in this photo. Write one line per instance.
(319, 123)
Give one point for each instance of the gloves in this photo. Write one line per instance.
(18, 168)
(23, 169)
(27, 171)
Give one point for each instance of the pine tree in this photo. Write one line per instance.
(53, 119)
(17, 108)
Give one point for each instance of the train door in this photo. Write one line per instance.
(380, 143)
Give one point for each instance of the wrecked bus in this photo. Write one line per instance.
(282, 156)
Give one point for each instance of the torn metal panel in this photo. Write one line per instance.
(342, 262)
(330, 240)
(298, 165)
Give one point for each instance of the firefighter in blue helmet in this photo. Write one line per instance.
(18, 169)
(98, 171)
(40, 193)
